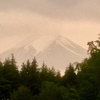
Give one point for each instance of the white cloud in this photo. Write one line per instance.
(79, 20)
(61, 9)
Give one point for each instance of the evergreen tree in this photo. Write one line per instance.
(50, 91)
(30, 76)
(69, 78)
(9, 78)
(23, 93)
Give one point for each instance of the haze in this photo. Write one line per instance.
(78, 20)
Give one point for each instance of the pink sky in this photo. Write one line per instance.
(75, 19)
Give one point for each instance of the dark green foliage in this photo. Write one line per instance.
(49, 74)
(98, 96)
(87, 91)
(69, 78)
(58, 77)
(51, 91)
(23, 93)
(9, 78)
(30, 76)
(88, 76)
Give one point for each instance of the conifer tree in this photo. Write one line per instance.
(69, 78)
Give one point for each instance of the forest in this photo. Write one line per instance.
(81, 81)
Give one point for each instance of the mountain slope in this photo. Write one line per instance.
(54, 51)
(61, 52)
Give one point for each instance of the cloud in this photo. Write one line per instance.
(73, 18)
(21, 24)
(18, 25)
(61, 9)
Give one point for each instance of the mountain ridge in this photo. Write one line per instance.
(54, 51)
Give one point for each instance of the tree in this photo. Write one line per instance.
(98, 96)
(87, 91)
(58, 77)
(9, 78)
(88, 76)
(30, 76)
(50, 91)
(44, 72)
(23, 93)
(69, 78)
(47, 74)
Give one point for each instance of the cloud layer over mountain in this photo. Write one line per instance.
(56, 8)
(77, 19)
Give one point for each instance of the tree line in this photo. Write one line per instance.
(81, 81)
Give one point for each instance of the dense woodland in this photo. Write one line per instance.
(81, 81)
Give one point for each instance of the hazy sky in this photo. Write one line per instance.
(78, 20)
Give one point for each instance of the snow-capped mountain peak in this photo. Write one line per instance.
(42, 43)
(57, 51)
(63, 40)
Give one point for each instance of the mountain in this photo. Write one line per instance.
(54, 51)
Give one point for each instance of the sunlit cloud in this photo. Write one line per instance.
(19, 19)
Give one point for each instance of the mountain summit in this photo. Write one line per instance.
(54, 51)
